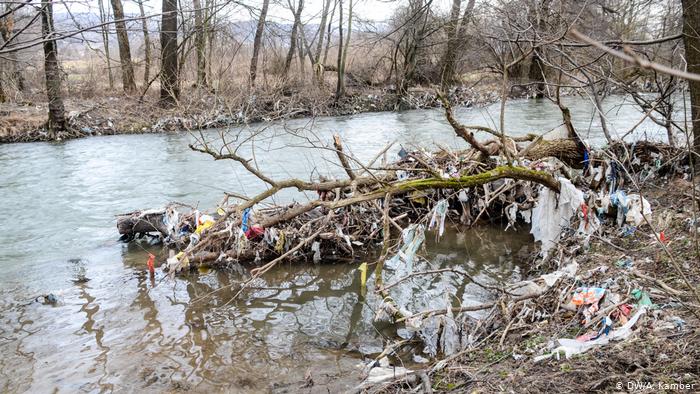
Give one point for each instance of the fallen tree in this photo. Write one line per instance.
(406, 190)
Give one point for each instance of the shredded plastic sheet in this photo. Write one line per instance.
(412, 238)
(540, 285)
(571, 347)
(171, 217)
(587, 295)
(429, 333)
(551, 214)
(383, 372)
(631, 208)
(316, 248)
(439, 214)
(449, 340)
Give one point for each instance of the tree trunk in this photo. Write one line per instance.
(448, 59)
(3, 95)
(169, 84)
(210, 19)
(341, 72)
(454, 40)
(328, 33)
(6, 28)
(128, 82)
(318, 65)
(57, 121)
(105, 40)
(300, 47)
(340, 85)
(536, 69)
(200, 43)
(691, 40)
(414, 40)
(257, 42)
(146, 45)
(293, 37)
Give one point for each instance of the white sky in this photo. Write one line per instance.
(376, 10)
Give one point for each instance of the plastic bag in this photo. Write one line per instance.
(552, 213)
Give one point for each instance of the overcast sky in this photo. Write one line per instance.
(376, 10)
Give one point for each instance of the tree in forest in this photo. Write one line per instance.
(536, 69)
(293, 36)
(128, 82)
(691, 40)
(257, 42)
(6, 30)
(411, 42)
(52, 72)
(318, 62)
(455, 38)
(169, 83)
(104, 30)
(200, 43)
(340, 83)
(146, 44)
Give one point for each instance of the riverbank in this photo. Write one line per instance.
(119, 114)
(661, 355)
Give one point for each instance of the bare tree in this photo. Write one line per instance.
(455, 38)
(691, 39)
(6, 28)
(293, 35)
(536, 69)
(340, 85)
(200, 43)
(104, 29)
(169, 83)
(257, 42)
(128, 82)
(52, 72)
(146, 44)
(318, 63)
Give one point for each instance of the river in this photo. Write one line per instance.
(114, 329)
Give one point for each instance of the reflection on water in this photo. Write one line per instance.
(121, 331)
(114, 329)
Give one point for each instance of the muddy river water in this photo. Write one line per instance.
(113, 329)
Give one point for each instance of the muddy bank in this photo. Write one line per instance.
(110, 115)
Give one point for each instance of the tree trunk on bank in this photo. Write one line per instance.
(128, 82)
(536, 69)
(346, 46)
(455, 39)
(414, 41)
(105, 40)
(691, 40)
(57, 121)
(3, 95)
(169, 84)
(448, 59)
(328, 33)
(6, 28)
(318, 64)
(340, 85)
(146, 45)
(200, 44)
(257, 42)
(293, 37)
(210, 18)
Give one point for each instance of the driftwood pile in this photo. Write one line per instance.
(354, 215)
